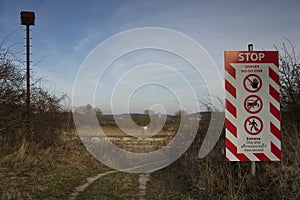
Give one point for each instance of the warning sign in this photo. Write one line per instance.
(252, 106)
(252, 83)
(253, 125)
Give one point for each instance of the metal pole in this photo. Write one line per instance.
(28, 117)
(27, 19)
(253, 166)
(28, 70)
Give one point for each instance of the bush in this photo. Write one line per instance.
(214, 178)
(289, 68)
(42, 123)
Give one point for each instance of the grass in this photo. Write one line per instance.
(33, 172)
(165, 184)
(120, 185)
(213, 178)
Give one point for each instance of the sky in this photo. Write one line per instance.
(67, 33)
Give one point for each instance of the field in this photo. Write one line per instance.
(32, 171)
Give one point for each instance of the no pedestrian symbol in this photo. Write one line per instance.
(253, 125)
(252, 83)
(253, 104)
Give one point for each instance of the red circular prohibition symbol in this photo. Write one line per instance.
(250, 105)
(254, 128)
(252, 85)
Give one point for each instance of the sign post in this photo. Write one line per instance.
(253, 166)
(252, 106)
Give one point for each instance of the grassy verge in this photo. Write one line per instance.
(30, 171)
(165, 184)
(115, 186)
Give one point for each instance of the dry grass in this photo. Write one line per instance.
(213, 178)
(166, 184)
(113, 186)
(34, 171)
(31, 171)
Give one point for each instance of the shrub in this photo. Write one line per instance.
(43, 122)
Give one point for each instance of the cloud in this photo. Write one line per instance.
(85, 42)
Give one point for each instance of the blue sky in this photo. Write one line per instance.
(67, 31)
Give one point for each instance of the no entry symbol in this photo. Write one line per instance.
(252, 83)
(253, 125)
(253, 104)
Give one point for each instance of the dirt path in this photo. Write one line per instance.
(90, 181)
(144, 178)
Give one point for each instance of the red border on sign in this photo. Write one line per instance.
(247, 78)
(258, 99)
(248, 120)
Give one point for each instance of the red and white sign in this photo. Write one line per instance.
(252, 106)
